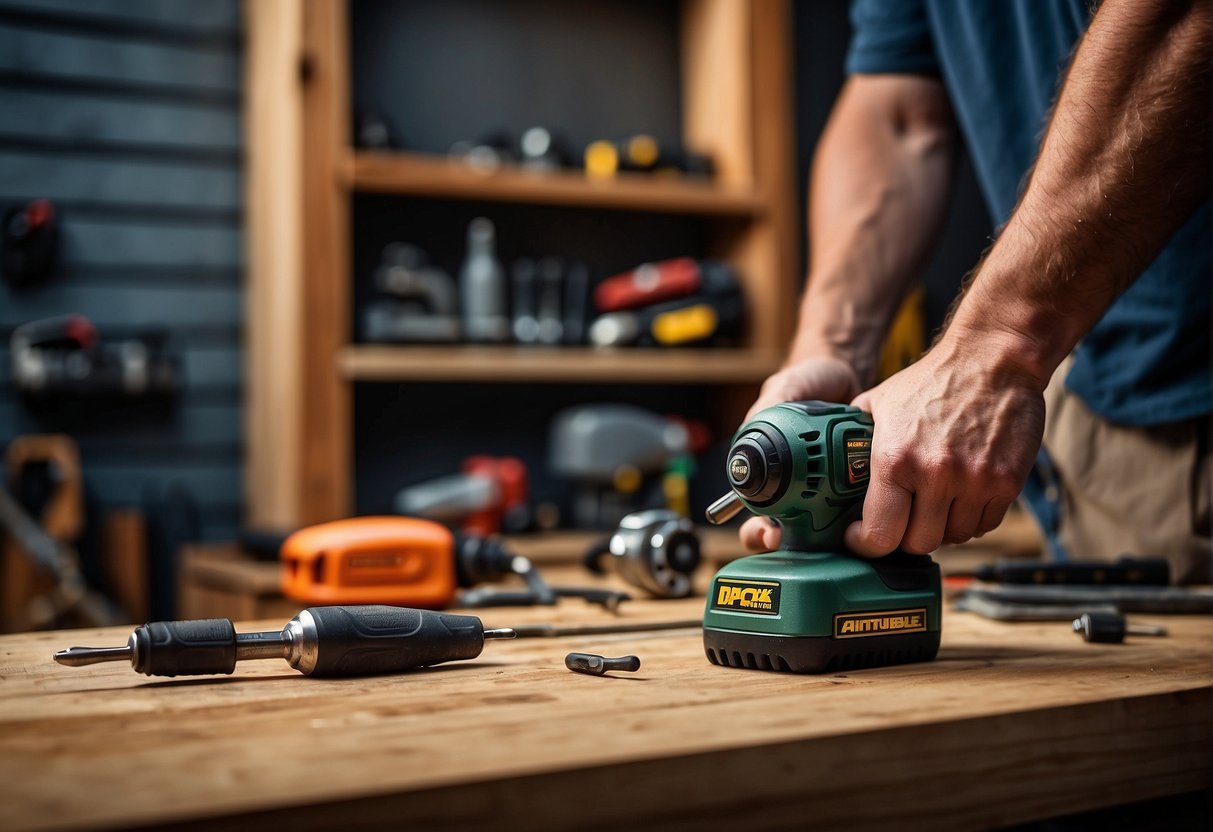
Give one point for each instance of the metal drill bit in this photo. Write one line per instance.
(724, 509)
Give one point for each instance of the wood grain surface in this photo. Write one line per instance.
(1012, 722)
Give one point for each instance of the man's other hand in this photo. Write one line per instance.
(822, 378)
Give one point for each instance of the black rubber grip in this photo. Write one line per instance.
(185, 648)
(353, 641)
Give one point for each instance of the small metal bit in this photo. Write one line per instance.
(724, 509)
(595, 665)
(1145, 630)
(80, 656)
(500, 632)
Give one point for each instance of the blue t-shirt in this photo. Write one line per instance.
(1147, 361)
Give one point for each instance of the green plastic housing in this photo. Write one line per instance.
(827, 480)
(813, 588)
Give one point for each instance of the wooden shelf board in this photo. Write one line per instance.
(414, 174)
(556, 365)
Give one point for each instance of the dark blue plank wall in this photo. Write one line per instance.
(127, 114)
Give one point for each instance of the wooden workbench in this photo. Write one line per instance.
(1011, 723)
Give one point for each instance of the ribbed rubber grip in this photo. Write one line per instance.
(185, 648)
(353, 641)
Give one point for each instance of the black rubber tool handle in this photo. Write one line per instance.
(185, 648)
(354, 641)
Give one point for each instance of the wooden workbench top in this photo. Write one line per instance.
(1012, 722)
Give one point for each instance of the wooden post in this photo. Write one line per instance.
(297, 423)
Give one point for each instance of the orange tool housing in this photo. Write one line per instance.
(371, 560)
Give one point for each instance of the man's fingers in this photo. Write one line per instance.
(928, 519)
(759, 534)
(886, 513)
(991, 517)
(963, 520)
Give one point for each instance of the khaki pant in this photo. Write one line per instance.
(1130, 490)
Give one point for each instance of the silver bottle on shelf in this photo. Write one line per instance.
(482, 286)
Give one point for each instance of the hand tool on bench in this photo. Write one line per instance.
(319, 641)
(1010, 601)
(1111, 628)
(412, 562)
(1126, 570)
(656, 550)
(812, 606)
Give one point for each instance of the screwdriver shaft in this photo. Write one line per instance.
(81, 656)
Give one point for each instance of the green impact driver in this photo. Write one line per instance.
(811, 606)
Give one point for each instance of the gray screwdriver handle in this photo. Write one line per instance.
(356, 641)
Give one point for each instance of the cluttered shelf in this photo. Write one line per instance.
(415, 174)
(566, 364)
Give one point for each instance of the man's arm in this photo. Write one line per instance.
(880, 183)
(877, 194)
(1124, 162)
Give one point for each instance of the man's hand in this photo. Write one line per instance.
(954, 438)
(826, 379)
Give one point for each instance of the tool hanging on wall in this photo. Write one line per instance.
(489, 496)
(65, 357)
(413, 562)
(656, 550)
(41, 515)
(30, 243)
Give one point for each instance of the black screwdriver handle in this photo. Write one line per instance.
(185, 648)
(353, 641)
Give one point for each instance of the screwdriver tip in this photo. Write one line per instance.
(81, 656)
(500, 632)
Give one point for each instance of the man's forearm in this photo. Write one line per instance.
(879, 186)
(1124, 162)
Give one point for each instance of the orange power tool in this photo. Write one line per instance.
(407, 561)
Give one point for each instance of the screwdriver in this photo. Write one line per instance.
(1111, 628)
(319, 641)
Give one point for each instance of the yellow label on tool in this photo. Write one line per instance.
(882, 623)
(760, 597)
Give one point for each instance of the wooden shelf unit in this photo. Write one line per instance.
(301, 175)
(572, 365)
(415, 174)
